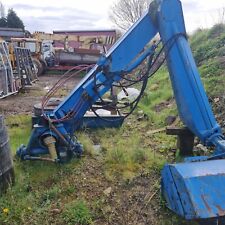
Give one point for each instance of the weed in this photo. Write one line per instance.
(125, 157)
(117, 156)
(86, 142)
(139, 156)
(19, 128)
(70, 189)
(158, 92)
(50, 195)
(97, 207)
(16, 212)
(77, 212)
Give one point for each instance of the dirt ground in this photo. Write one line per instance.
(134, 202)
(22, 103)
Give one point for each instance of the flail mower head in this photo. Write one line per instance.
(195, 190)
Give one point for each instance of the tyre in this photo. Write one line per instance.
(6, 162)
(44, 65)
(38, 66)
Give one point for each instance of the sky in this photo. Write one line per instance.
(49, 15)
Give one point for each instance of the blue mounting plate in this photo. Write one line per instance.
(93, 122)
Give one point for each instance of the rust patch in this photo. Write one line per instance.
(206, 204)
(220, 210)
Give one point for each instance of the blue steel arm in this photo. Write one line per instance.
(124, 56)
(116, 60)
(192, 102)
(193, 190)
(193, 106)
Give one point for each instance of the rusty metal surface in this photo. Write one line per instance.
(198, 187)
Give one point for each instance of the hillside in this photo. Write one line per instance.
(208, 47)
(209, 51)
(120, 182)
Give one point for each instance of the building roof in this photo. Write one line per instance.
(11, 29)
(11, 32)
(83, 31)
(87, 32)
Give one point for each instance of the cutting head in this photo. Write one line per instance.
(195, 190)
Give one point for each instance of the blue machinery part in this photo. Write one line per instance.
(193, 189)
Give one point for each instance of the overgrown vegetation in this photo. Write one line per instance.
(208, 47)
(118, 180)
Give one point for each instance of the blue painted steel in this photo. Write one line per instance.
(94, 122)
(106, 72)
(144, 55)
(117, 59)
(197, 187)
(192, 102)
(193, 190)
(36, 146)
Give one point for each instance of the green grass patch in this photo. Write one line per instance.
(157, 101)
(77, 212)
(87, 143)
(19, 130)
(126, 156)
(208, 43)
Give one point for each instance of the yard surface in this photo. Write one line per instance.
(118, 184)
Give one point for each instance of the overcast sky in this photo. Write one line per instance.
(49, 15)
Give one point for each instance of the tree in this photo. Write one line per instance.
(3, 22)
(125, 12)
(2, 10)
(13, 21)
(221, 15)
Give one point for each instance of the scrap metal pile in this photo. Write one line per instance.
(16, 69)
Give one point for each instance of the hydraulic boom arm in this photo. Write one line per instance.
(165, 18)
(192, 102)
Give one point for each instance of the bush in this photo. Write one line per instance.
(208, 43)
(216, 30)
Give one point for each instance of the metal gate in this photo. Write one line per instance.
(8, 83)
(25, 66)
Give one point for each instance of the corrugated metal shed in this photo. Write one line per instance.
(7, 33)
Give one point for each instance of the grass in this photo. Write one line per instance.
(127, 151)
(87, 143)
(209, 52)
(77, 212)
(36, 193)
(159, 92)
(33, 194)
(125, 157)
(208, 43)
(19, 129)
